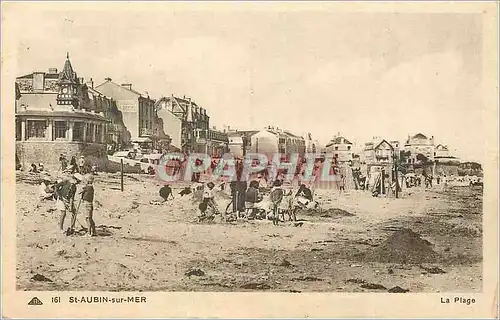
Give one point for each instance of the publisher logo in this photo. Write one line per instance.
(35, 302)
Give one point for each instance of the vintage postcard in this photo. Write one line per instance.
(249, 159)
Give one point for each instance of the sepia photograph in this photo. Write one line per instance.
(249, 149)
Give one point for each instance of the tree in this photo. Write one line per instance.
(421, 158)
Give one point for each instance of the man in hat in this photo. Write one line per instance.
(87, 199)
(66, 191)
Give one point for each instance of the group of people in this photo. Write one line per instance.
(64, 192)
(37, 169)
(416, 180)
(75, 166)
(247, 200)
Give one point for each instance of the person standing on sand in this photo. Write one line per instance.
(444, 183)
(276, 198)
(234, 195)
(87, 198)
(342, 184)
(74, 166)
(166, 192)
(66, 191)
(63, 161)
(81, 165)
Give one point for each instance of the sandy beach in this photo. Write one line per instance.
(425, 241)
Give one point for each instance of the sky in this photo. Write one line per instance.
(357, 74)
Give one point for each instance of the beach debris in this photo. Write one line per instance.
(134, 205)
(286, 263)
(307, 278)
(433, 270)
(256, 286)
(356, 281)
(41, 277)
(398, 289)
(373, 286)
(195, 272)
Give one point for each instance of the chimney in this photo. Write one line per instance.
(82, 80)
(90, 83)
(52, 70)
(107, 79)
(127, 86)
(38, 81)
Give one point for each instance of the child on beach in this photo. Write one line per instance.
(208, 202)
(276, 198)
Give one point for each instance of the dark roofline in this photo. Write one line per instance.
(383, 140)
(46, 75)
(116, 84)
(419, 134)
(185, 101)
(293, 135)
(336, 141)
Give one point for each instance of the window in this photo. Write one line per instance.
(348, 148)
(98, 133)
(78, 131)
(336, 148)
(18, 130)
(90, 132)
(37, 129)
(60, 129)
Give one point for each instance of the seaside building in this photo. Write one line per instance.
(55, 113)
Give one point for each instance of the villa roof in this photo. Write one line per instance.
(338, 140)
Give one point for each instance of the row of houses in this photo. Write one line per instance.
(58, 112)
(418, 152)
(61, 113)
(269, 141)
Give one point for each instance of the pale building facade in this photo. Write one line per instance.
(55, 115)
